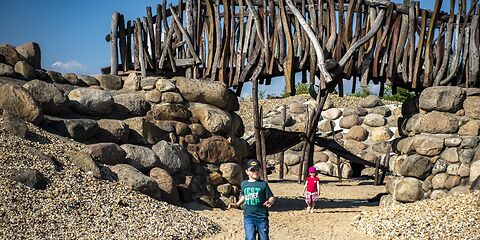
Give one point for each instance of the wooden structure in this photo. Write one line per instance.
(235, 41)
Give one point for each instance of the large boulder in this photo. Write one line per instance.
(416, 166)
(474, 170)
(106, 153)
(7, 71)
(217, 149)
(438, 123)
(144, 132)
(91, 101)
(357, 133)
(374, 120)
(472, 107)
(173, 157)
(408, 190)
(350, 121)
(438, 181)
(131, 104)
(210, 92)
(443, 99)
(232, 172)
(26, 71)
(291, 158)
(238, 129)
(471, 128)
(29, 177)
(111, 130)
(381, 134)
(354, 146)
(56, 77)
(172, 97)
(354, 110)
(428, 145)
(132, 82)
(31, 52)
(81, 129)
(214, 119)
(72, 79)
(166, 184)
(133, 178)
(142, 158)
(51, 99)
(108, 81)
(11, 55)
(19, 101)
(332, 114)
(165, 85)
(167, 111)
(88, 80)
(85, 162)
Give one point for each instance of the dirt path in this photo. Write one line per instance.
(339, 203)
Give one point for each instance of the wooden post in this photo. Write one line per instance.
(151, 38)
(141, 58)
(189, 28)
(114, 47)
(302, 160)
(158, 34)
(377, 167)
(386, 163)
(129, 45)
(136, 44)
(123, 42)
(282, 154)
(256, 119)
(264, 151)
(339, 168)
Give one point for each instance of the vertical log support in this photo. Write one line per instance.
(114, 46)
(256, 120)
(264, 152)
(123, 42)
(141, 58)
(282, 154)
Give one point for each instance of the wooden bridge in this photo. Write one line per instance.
(234, 41)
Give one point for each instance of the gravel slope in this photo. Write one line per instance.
(77, 206)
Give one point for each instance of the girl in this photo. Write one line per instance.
(311, 189)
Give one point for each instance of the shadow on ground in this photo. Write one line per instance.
(289, 204)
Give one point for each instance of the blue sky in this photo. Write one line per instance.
(71, 34)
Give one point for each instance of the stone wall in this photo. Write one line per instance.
(364, 128)
(176, 139)
(438, 152)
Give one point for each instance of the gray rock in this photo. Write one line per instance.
(131, 104)
(14, 125)
(355, 147)
(438, 123)
(148, 82)
(471, 128)
(466, 155)
(106, 153)
(142, 158)
(458, 190)
(133, 178)
(51, 99)
(224, 189)
(381, 134)
(450, 155)
(11, 55)
(291, 159)
(85, 162)
(108, 81)
(453, 141)
(166, 183)
(232, 172)
(354, 110)
(88, 80)
(381, 147)
(326, 126)
(81, 129)
(144, 132)
(172, 157)
(19, 102)
(357, 133)
(408, 190)
(439, 167)
(437, 194)
(217, 149)
(474, 171)
(332, 114)
(2, 59)
(416, 166)
(165, 85)
(91, 101)
(371, 101)
(428, 145)
(166, 111)
(7, 70)
(153, 96)
(132, 82)
(296, 108)
(238, 128)
(172, 97)
(26, 71)
(31, 52)
(214, 119)
(382, 110)
(346, 170)
(350, 121)
(464, 170)
(72, 79)
(42, 75)
(469, 142)
(444, 99)
(438, 181)
(452, 181)
(210, 92)
(111, 130)
(29, 177)
(472, 107)
(325, 167)
(56, 77)
(475, 186)
(374, 120)
(387, 201)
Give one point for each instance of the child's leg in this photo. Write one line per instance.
(249, 226)
(314, 197)
(308, 200)
(263, 229)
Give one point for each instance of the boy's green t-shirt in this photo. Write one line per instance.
(255, 193)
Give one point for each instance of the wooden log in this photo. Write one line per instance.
(402, 38)
(225, 55)
(392, 55)
(185, 35)
(189, 29)
(240, 42)
(165, 47)
(123, 42)
(136, 61)
(231, 59)
(146, 54)
(252, 59)
(141, 58)
(281, 37)
(158, 34)
(412, 13)
(332, 37)
(383, 39)
(281, 159)
(114, 46)
(256, 119)
(418, 57)
(266, 34)
(428, 77)
(185, 62)
(151, 37)
(264, 154)
(439, 47)
(211, 38)
(218, 40)
(474, 60)
(313, 25)
(459, 31)
(288, 64)
(448, 43)
(129, 46)
(258, 22)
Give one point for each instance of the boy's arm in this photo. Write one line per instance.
(237, 204)
(269, 202)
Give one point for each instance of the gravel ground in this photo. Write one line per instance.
(452, 217)
(77, 206)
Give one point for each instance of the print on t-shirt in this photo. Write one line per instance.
(251, 196)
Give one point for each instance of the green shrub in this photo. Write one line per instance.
(364, 91)
(402, 94)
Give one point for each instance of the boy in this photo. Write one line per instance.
(257, 198)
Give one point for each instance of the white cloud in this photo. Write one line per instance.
(71, 66)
